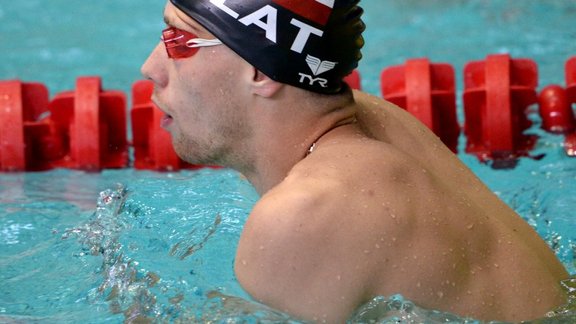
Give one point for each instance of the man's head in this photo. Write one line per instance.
(310, 44)
(215, 97)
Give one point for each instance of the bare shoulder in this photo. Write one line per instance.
(280, 261)
(387, 122)
(317, 235)
(372, 109)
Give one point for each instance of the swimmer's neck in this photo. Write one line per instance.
(287, 127)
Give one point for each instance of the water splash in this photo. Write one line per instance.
(124, 287)
(568, 310)
(396, 309)
(100, 235)
(140, 295)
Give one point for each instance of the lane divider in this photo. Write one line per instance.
(22, 130)
(86, 128)
(90, 126)
(427, 91)
(497, 94)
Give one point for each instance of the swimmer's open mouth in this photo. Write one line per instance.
(166, 120)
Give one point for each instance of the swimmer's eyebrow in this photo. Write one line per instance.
(167, 21)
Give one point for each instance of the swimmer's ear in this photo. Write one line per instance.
(264, 86)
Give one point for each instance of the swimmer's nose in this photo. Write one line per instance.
(153, 68)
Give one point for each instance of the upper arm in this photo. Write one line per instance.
(284, 261)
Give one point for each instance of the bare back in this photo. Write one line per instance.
(383, 207)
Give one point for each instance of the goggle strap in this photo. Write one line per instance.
(201, 42)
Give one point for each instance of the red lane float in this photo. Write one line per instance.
(497, 93)
(570, 141)
(571, 79)
(354, 80)
(86, 128)
(555, 110)
(24, 134)
(570, 144)
(427, 91)
(555, 103)
(92, 122)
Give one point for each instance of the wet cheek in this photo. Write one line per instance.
(186, 109)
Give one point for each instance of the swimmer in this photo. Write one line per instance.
(358, 198)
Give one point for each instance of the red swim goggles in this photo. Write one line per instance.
(181, 44)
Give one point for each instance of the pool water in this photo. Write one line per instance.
(128, 245)
(160, 249)
(72, 251)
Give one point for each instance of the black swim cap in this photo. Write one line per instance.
(310, 44)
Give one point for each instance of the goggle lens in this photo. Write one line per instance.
(182, 44)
